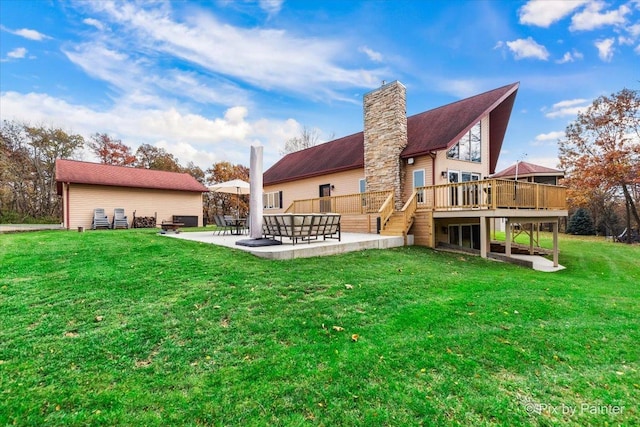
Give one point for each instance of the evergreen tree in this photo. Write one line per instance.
(581, 224)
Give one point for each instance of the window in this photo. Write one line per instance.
(272, 200)
(363, 185)
(469, 148)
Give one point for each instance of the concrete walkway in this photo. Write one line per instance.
(350, 242)
(6, 228)
(536, 262)
(539, 263)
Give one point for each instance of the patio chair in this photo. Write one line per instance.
(119, 219)
(221, 224)
(100, 220)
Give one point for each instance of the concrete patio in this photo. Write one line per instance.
(350, 242)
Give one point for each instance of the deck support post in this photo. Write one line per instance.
(555, 242)
(484, 233)
(531, 239)
(507, 238)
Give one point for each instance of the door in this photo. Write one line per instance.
(325, 204)
(454, 177)
(470, 191)
(418, 181)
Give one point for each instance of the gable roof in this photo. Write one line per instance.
(527, 169)
(77, 172)
(433, 130)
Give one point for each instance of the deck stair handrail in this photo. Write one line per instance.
(386, 210)
(409, 210)
(493, 194)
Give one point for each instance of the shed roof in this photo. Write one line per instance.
(73, 171)
(527, 169)
(430, 131)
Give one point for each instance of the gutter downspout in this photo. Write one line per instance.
(67, 205)
(432, 154)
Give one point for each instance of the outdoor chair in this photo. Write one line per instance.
(119, 219)
(99, 219)
(221, 224)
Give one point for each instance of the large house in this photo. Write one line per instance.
(86, 186)
(424, 176)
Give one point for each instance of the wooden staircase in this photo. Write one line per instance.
(396, 225)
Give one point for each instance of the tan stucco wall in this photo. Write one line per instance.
(345, 183)
(80, 200)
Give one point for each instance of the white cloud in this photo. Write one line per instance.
(637, 49)
(527, 48)
(567, 108)
(570, 57)
(592, 17)
(17, 53)
(134, 80)
(551, 136)
(190, 137)
(30, 34)
(605, 49)
(372, 54)
(94, 23)
(272, 7)
(269, 59)
(543, 13)
(459, 88)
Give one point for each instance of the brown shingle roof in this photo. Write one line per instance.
(433, 130)
(335, 156)
(77, 172)
(527, 169)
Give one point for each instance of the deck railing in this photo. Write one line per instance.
(486, 194)
(492, 194)
(359, 203)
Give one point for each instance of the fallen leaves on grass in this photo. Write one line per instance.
(355, 337)
(338, 328)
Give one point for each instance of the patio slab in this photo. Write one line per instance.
(350, 242)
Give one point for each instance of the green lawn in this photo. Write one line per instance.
(130, 328)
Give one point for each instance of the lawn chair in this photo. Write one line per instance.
(221, 224)
(119, 219)
(100, 220)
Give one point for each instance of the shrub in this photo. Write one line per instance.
(581, 223)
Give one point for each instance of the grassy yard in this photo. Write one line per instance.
(130, 328)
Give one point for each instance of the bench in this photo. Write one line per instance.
(302, 226)
(170, 225)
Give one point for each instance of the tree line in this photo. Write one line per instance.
(27, 169)
(600, 154)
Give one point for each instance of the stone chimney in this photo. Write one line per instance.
(385, 136)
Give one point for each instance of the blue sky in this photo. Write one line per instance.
(206, 80)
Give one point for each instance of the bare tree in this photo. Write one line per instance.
(308, 137)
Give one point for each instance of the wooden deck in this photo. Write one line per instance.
(516, 201)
